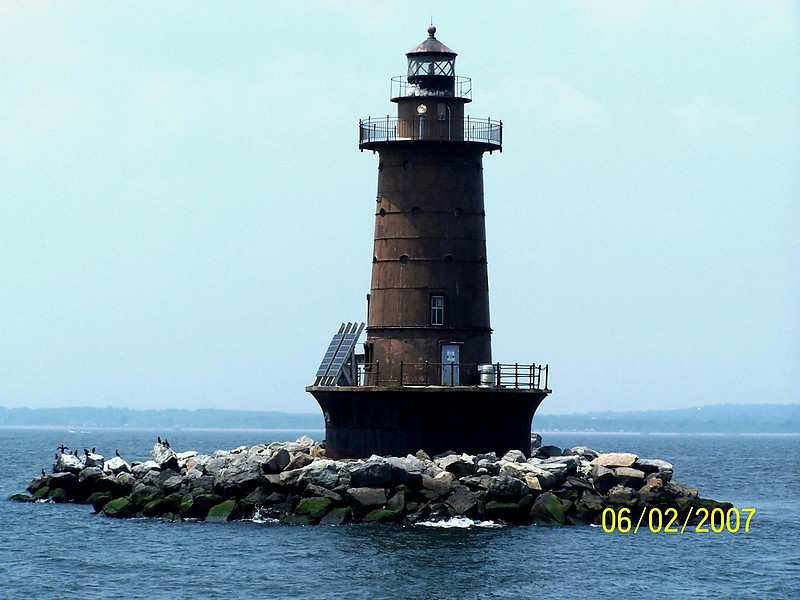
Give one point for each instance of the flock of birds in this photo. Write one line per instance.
(64, 449)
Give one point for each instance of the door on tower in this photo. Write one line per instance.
(450, 366)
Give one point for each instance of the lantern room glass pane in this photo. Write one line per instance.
(431, 65)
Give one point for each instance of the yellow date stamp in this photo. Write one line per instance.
(669, 520)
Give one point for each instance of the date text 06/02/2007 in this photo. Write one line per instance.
(668, 520)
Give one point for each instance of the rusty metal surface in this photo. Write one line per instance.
(430, 239)
(365, 421)
(431, 45)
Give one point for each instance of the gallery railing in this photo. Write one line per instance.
(429, 128)
(425, 374)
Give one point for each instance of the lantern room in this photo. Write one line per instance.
(431, 66)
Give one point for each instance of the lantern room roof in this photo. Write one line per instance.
(431, 45)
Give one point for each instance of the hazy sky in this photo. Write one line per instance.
(185, 217)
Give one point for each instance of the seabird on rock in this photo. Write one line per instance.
(86, 452)
(116, 452)
(94, 449)
(43, 473)
(63, 448)
(76, 452)
(166, 442)
(159, 440)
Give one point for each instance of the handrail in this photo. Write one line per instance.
(428, 128)
(426, 374)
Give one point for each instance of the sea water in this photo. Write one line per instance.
(64, 551)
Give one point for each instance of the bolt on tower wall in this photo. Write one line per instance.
(429, 298)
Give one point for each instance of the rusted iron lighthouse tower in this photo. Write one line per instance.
(426, 379)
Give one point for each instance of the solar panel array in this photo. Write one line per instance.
(339, 354)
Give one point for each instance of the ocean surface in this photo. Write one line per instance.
(65, 551)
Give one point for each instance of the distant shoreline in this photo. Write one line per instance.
(710, 419)
(89, 429)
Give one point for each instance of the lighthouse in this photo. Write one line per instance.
(427, 379)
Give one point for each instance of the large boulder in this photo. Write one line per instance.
(366, 496)
(506, 489)
(406, 471)
(92, 459)
(121, 507)
(462, 501)
(278, 461)
(315, 507)
(436, 487)
(373, 473)
(661, 468)
(222, 512)
(67, 483)
(603, 478)
(615, 459)
(67, 463)
(116, 465)
(141, 469)
(164, 456)
(547, 508)
(323, 473)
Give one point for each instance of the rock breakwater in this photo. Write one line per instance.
(295, 483)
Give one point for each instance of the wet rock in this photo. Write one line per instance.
(506, 489)
(548, 508)
(222, 512)
(121, 507)
(623, 496)
(436, 487)
(397, 502)
(337, 516)
(315, 507)
(462, 501)
(366, 496)
(382, 515)
(22, 498)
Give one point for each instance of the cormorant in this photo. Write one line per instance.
(43, 473)
(159, 440)
(86, 452)
(62, 448)
(94, 449)
(76, 452)
(116, 452)
(166, 442)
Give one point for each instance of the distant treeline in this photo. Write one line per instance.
(86, 416)
(719, 418)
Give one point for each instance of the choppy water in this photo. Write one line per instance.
(64, 551)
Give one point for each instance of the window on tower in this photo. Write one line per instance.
(437, 310)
